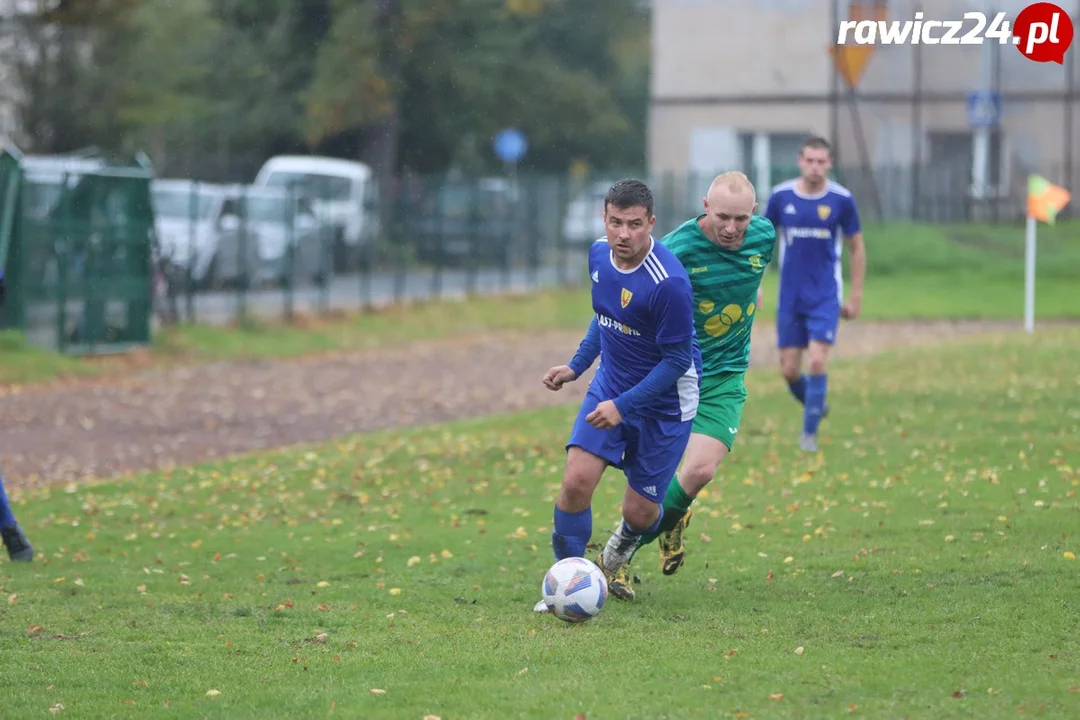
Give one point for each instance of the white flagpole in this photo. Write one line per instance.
(1029, 276)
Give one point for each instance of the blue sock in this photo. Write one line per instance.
(816, 386)
(7, 518)
(571, 534)
(798, 389)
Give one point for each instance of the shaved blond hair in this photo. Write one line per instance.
(734, 182)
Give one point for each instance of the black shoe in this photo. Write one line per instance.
(18, 547)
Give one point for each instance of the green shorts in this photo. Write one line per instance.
(720, 406)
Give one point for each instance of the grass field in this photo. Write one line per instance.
(923, 565)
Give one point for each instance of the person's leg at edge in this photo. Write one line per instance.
(12, 536)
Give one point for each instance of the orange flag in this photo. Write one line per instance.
(1045, 199)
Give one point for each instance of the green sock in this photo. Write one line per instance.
(676, 505)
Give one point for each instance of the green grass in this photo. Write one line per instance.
(915, 271)
(924, 563)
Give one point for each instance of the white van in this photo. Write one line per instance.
(344, 192)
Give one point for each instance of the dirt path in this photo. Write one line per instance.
(163, 417)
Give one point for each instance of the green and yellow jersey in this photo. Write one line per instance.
(725, 287)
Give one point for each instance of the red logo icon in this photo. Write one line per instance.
(1043, 32)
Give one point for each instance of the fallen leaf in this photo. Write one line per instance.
(395, 591)
(34, 628)
(799, 650)
(213, 693)
(1070, 555)
(776, 696)
(377, 691)
(56, 708)
(323, 584)
(838, 573)
(959, 693)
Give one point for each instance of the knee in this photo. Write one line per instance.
(576, 491)
(790, 368)
(816, 364)
(639, 513)
(696, 475)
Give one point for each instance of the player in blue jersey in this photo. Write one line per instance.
(14, 539)
(810, 214)
(639, 409)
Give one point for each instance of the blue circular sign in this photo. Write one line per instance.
(510, 145)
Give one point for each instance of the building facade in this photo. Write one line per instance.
(739, 83)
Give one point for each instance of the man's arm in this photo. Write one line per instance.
(857, 255)
(588, 350)
(673, 307)
(853, 238)
(675, 360)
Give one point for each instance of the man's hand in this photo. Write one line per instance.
(556, 377)
(605, 416)
(760, 299)
(851, 308)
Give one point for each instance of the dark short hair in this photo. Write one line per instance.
(629, 193)
(816, 142)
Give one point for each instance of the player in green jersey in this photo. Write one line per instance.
(725, 251)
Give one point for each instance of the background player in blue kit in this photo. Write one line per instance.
(809, 214)
(14, 539)
(640, 407)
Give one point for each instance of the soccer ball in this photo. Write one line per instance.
(575, 589)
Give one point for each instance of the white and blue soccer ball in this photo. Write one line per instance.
(575, 589)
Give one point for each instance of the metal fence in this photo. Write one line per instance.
(230, 252)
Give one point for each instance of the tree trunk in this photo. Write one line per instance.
(384, 137)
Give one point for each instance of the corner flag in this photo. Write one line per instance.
(1045, 200)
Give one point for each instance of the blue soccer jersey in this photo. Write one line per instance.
(809, 231)
(638, 311)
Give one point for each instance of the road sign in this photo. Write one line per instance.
(510, 145)
(984, 108)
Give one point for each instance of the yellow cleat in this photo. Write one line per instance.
(672, 550)
(618, 584)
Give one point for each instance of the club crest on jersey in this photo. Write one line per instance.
(823, 211)
(625, 297)
(755, 262)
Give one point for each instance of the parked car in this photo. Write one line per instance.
(471, 221)
(187, 218)
(344, 195)
(259, 226)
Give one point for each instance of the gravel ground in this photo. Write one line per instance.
(160, 417)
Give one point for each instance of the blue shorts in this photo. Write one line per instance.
(797, 325)
(647, 449)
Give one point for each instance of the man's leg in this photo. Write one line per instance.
(588, 453)
(791, 339)
(715, 429)
(817, 385)
(652, 457)
(14, 539)
(821, 328)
